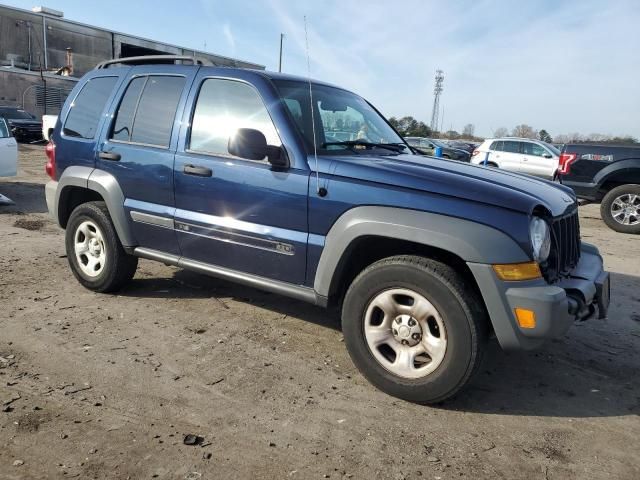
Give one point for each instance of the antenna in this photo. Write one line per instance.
(320, 191)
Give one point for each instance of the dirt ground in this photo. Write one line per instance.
(107, 386)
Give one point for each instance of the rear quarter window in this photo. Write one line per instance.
(84, 115)
(497, 146)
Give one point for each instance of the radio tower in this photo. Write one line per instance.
(437, 90)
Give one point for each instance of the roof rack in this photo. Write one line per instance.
(146, 59)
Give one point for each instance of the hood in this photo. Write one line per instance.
(475, 183)
(22, 122)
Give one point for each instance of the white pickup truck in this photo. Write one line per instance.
(48, 124)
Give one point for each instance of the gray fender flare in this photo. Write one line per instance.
(107, 186)
(471, 241)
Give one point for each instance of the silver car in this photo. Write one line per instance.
(522, 155)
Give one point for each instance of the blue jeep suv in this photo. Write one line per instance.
(236, 173)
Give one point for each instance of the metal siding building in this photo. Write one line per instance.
(39, 50)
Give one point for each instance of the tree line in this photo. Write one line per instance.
(410, 127)
(527, 131)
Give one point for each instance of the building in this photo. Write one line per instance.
(42, 55)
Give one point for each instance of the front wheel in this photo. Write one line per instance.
(94, 251)
(620, 209)
(413, 328)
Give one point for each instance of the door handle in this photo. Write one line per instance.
(197, 170)
(112, 156)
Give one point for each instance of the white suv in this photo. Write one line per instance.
(521, 155)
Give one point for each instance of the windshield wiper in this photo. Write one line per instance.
(396, 147)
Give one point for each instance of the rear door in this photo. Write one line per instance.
(8, 151)
(538, 161)
(139, 148)
(508, 157)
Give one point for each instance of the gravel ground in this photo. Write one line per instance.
(107, 386)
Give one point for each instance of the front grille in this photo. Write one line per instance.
(565, 247)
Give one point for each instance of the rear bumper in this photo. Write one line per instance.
(556, 306)
(50, 192)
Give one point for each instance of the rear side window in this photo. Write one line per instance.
(497, 146)
(510, 146)
(84, 115)
(223, 106)
(147, 110)
(4, 131)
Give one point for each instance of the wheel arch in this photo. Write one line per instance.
(369, 233)
(79, 185)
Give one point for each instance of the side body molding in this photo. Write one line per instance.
(471, 241)
(107, 186)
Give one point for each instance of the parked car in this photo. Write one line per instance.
(24, 126)
(522, 155)
(428, 147)
(48, 122)
(8, 151)
(228, 172)
(467, 147)
(608, 174)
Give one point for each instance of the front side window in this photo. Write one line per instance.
(223, 107)
(339, 116)
(533, 149)
(147, 110)
(84, 114)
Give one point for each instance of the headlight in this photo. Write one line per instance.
(540, 239)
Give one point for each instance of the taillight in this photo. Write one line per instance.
(50, 167)
(566, 159)
(475, 152)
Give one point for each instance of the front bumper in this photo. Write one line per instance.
(556, 306)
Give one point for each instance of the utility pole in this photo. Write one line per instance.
(280, 63)
(437, 90)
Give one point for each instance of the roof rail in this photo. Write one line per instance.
(146, 59)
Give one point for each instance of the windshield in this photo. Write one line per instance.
(552, 148)
(438, 143)
(344, 122)
(15, 114)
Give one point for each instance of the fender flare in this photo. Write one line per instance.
(107, 186)
(619, 168)
(471, 241)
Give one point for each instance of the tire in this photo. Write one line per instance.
(619, 199)
(459, 316)
(101, 264)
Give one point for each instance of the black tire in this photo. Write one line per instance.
(607, 204)
(461, 310)
(118, 268)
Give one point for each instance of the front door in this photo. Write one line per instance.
(139, 150)
(537, 160)
(235, 213)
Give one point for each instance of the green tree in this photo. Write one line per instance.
(544, 136)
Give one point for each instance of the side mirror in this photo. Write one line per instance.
(252, 144)
(248, 143)
(547, 155)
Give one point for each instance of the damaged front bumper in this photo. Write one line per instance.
(577, 297)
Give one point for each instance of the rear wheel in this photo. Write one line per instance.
(94, 251)
(620, 209)
(413, 328)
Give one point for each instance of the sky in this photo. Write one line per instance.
(565, 66)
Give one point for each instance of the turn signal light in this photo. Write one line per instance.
(526, 318)
(518, 271)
